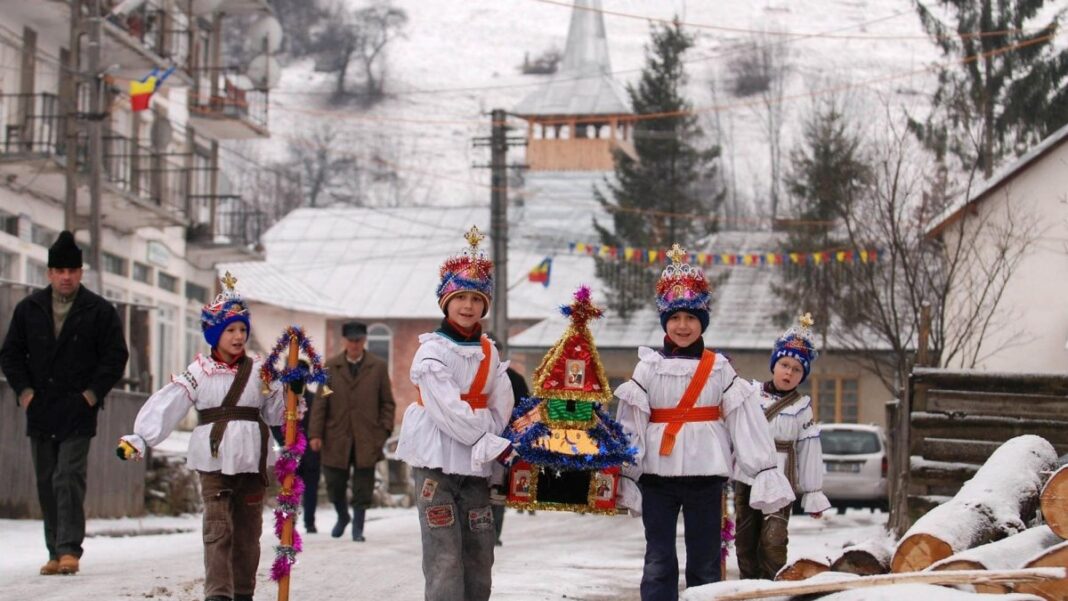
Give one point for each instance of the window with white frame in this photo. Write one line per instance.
(380, 342)
(194, 340)
(166, 341)
(7, 265)
(36, 273)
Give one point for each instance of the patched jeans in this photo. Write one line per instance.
(456, 523)
(700, 500)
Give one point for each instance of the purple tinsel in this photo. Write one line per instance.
(316, 373)
(726, 536)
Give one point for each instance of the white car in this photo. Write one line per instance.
(855, 456)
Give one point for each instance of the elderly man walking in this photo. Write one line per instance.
(63, 353)
(350, 426)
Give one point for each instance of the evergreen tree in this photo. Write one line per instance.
(828, 172)
(655, 197)
(1003, 91)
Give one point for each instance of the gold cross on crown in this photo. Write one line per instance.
(806, 321)
(229, 281)
(677, 253)
(474, 237)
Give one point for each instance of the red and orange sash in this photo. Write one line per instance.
(474, 395)
(685, 412)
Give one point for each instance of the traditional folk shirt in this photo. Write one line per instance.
(203, 385)
(795, 426)
(444, 431)
(701, 448)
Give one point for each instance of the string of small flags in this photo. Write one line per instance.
(653, 256)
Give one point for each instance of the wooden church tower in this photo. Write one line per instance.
(578, 117)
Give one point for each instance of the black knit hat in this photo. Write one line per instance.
(354, 330)
(65, 253)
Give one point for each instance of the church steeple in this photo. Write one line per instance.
(577, 118)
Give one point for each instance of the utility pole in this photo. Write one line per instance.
(68, 107)
(498, 141)
(96, 143)
(499, 226)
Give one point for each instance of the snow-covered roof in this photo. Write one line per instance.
(383, 263)
(1001, 176)
(583, 85)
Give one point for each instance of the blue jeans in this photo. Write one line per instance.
(700, 499)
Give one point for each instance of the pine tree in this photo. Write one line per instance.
(1003, 91)
(827, 174)
(654, 198)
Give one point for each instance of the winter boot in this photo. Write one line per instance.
(68, 564)
(357, 524)
(51, 568)
(342, 520)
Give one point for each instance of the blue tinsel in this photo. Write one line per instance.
(611, 440)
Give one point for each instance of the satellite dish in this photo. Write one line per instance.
(264, 71)
(161, 133)
(201, 7)
(267, 32)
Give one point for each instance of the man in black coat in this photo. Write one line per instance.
(63, 353)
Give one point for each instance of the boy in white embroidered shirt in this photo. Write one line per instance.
(451, 437)
(229, 448)
(684, 409)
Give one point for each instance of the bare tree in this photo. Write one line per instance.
(362, 35)
(322, 163)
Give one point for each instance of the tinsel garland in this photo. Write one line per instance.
(726, 537)
(314, 373)
(613, 449)
(288, 505)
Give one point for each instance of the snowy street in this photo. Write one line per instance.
(549, 555)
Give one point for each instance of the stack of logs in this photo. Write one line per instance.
(983, 527)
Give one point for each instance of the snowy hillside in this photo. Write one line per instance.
(459, 59)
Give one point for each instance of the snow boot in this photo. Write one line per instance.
(51, 568)
(68, 564)
(357, 524)
(343, 520)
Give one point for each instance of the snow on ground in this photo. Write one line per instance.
(549, 555)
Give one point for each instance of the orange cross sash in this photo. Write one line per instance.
(474, 395)
(685, 411)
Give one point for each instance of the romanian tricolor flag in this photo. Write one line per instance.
(141, 91)
(542, 272)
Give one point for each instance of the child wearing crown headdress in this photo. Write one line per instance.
(684, 409)
(761, 539)
(229, 448)
(451, 436)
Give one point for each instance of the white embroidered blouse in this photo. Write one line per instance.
(795, 424)
(204, 385)
(701, 448)
(444, 431)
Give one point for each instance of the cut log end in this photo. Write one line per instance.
(1049, 589)
(918, 551)
(1054, 502)
(861, 563)
(802, 569)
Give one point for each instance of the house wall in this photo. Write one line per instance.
(871, 395)
(1030, 326)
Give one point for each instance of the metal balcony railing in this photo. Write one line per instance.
(162, 32)
(234, 97)
(32, 124)
(225, 219)
(153, 177)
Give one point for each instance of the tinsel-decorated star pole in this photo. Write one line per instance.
(285, 468)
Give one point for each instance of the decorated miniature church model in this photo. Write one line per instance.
(570, 449)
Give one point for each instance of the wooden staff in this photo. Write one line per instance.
(291, 439)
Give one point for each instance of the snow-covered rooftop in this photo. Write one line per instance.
(583, 85)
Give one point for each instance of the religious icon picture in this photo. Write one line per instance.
(521, 483)
(602, 486)
(576, 374)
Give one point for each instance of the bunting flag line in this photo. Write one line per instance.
(653, 256)
(141, 91)
(541, 272)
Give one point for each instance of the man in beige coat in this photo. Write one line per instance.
(350, 426)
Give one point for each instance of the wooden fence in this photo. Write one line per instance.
(114, 488)
(957, 418)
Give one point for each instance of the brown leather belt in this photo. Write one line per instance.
(218, 417)
(790, 448)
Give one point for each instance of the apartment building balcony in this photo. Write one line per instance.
(231, 109)
(224, 227)
(33, 142)
(145, 38)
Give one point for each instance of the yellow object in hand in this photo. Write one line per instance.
(126, 450)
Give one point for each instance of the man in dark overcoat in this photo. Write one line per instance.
(63, 352)
(350, 426)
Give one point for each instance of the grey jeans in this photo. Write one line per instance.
(458, 535)
(60, 466)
